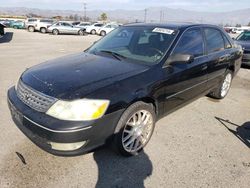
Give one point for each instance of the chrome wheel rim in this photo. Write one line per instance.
(137, 131)
(226, 85)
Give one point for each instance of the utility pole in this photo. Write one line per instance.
(145, 15)
(161, 16)
(85, 7)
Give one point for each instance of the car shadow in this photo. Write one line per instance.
(118, 172)
(242, 132)
(25, 165)
(7, 37)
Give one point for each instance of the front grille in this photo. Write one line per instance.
(34, 99)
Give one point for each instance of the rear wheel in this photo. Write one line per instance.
(55, 32)
(15, 27)
(81, 32)
(222, 90)
(134, 129)
(93, 32)
(43, 30)
(31, 29)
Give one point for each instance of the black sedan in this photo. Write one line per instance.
(244, 40)
(116, 90)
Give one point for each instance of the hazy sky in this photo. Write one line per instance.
(198, 5)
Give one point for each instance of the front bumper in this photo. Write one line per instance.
(42, 129)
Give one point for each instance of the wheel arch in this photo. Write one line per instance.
(43, 28)
(231, 67)
(149, 100)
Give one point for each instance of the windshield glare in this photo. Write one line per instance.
(144, 44)
(244, 36)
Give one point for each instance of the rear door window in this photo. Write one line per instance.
(214, 40)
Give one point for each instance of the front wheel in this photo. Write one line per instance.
(134, 129)
(93, 32)
(222, 90)
(43, 30)
(55, 32)
(103, 33)
(31, 29)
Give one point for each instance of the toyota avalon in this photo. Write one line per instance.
(116, 90)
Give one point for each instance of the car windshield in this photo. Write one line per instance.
(244, 36)
(140, 44)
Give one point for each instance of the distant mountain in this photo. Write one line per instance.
(154, 14)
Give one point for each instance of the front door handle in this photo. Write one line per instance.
(224, 57)
(204, 67)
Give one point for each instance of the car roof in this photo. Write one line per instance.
(171, 25)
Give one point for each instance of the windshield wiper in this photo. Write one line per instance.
(114, 54)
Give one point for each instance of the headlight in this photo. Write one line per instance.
(78, 110)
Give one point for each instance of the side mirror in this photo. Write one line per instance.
(180, 59)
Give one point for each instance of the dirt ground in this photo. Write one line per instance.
(205, 144)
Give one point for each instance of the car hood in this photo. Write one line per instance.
(77, 75)
(244, 44)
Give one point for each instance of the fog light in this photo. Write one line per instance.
(66, 146)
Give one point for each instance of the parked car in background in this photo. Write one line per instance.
(116, 90)
(33, 24)
(2, 26)
(244, 40)
(106, 29)
(239, 31)
(17, 25)
(65, 28)
(83, 25)
(93, 28)
(7, 23)
(228, 30)
(30, 22)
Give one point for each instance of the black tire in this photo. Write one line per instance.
(81, 32)
(218, 93)
(93, 32)
(31, 29)
(55, 32)
(15, 27)
(43, 30)
(102, 33)
(117, 143)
